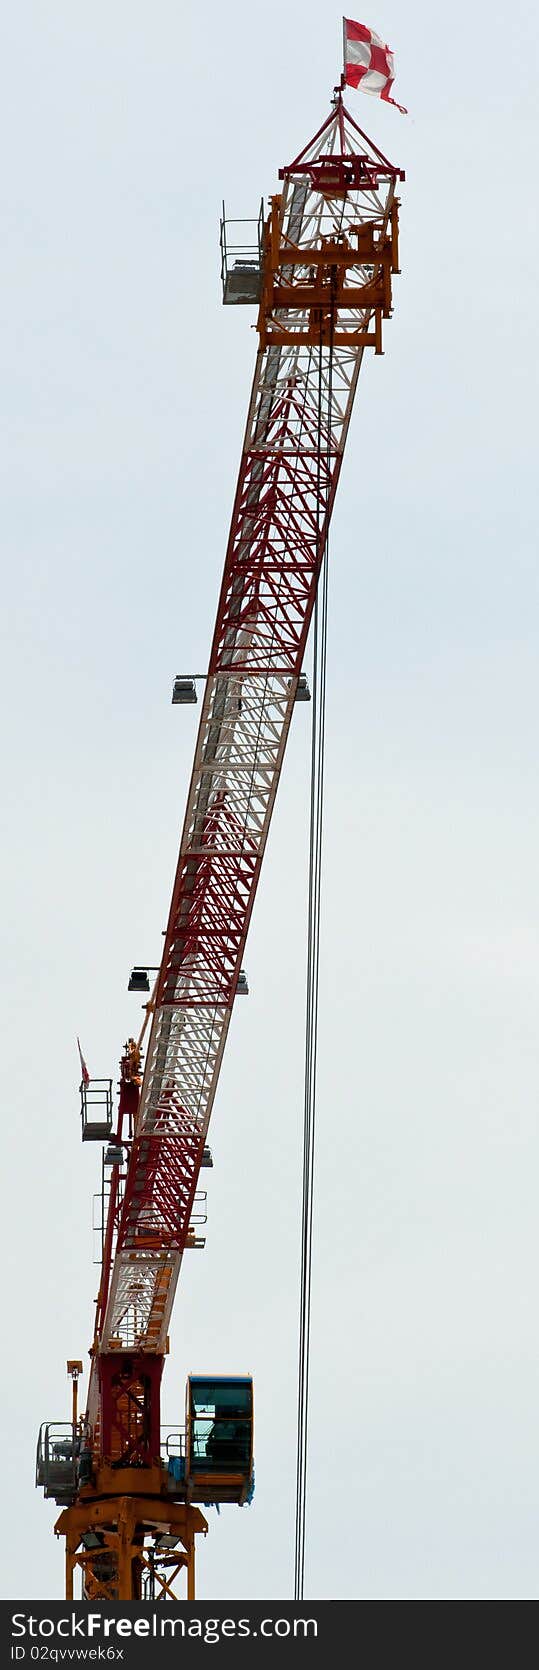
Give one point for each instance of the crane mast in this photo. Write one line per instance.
(319, 269)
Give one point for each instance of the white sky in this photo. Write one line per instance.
(125, 390)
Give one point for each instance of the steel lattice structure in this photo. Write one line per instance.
(322, 278)
(330, 245)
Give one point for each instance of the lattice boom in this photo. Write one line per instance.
(330, 244)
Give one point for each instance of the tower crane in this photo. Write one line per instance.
(319, 268)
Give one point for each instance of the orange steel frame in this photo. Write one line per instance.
(326, 293)
(115, 1569)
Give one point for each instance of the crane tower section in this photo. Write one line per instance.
(320, 274)
(322, 277)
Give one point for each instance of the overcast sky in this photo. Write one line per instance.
(124, 391)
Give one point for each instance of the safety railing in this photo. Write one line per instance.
(96, 1109)
(241, 258)
(172, 1441)
(58, 1446)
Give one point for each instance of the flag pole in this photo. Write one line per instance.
(339, 89)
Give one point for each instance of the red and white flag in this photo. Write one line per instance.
(368, 63)
(83, 1067)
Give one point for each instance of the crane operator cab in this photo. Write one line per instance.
(219, 1439)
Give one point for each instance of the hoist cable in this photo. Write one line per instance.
(313, 966)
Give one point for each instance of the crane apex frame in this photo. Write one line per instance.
(319, 268)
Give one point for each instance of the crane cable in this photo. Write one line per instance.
(313, 963)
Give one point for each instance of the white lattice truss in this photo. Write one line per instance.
(296, 430)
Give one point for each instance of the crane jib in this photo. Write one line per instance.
(330, 245)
